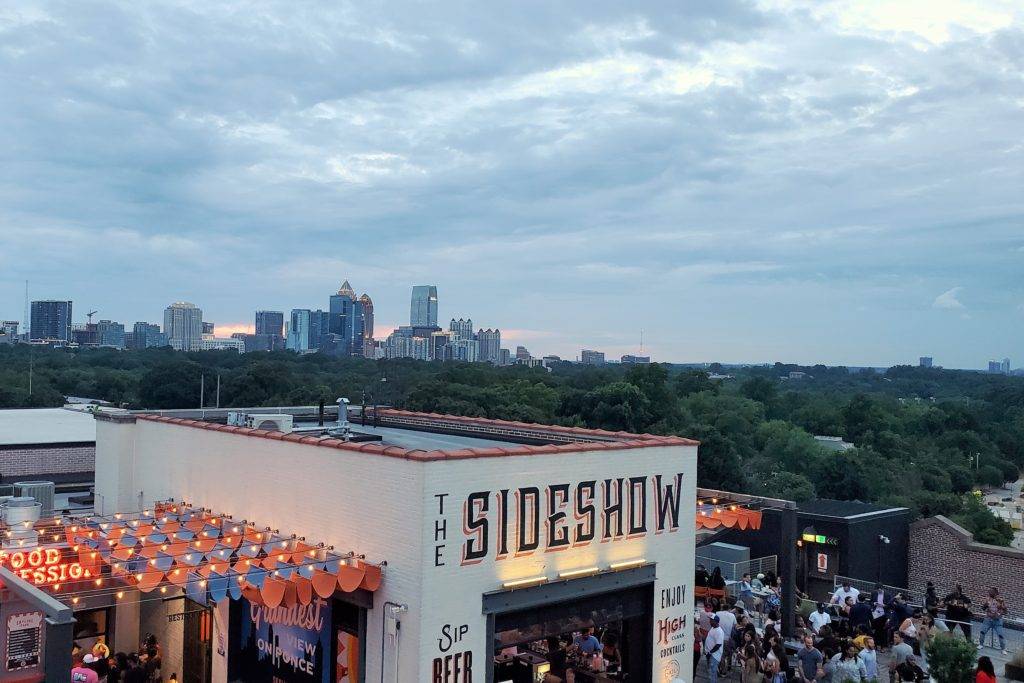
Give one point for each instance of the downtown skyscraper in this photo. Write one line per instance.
(423, 311)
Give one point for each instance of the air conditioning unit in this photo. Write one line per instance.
(42, 491)
(272, 422)
(20, 513)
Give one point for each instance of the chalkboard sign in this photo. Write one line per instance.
(24, 640)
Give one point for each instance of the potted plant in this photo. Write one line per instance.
(951, 659)
(1014, 670)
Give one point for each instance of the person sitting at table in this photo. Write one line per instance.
(587, 642)
(610, 650)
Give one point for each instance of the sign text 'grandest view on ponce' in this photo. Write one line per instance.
(555, 517)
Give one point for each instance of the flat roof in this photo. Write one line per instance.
(23, 426)
(432, 437)
(844, 509)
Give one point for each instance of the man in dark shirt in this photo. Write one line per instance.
(860, 613)
(958, 611)
(910, 671)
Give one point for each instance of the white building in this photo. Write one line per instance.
(183, 325)
(485, 540)
(210, 343)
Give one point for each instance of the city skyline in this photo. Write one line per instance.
(745, 182)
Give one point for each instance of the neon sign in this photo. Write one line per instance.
(43, 566)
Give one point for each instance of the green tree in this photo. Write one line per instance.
(759, 389)
(172, 384)
(951, 659)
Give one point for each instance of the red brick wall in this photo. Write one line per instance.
(943, 552)
(33, 461)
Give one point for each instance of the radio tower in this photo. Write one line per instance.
(27, 322)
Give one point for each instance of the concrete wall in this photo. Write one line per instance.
(945, 553)
(21, 462)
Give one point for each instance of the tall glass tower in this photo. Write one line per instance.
(423, 312)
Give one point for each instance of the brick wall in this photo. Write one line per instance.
(943, 552)
(32, 461)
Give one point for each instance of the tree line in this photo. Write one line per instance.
(924, 438)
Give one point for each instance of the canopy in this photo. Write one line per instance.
(728, 516)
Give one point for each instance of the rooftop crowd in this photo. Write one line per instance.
(738, 635)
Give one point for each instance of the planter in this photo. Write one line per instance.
(1014, 672)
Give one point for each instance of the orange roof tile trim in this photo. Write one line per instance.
(608, 440)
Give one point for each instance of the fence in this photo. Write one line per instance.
(734, 571)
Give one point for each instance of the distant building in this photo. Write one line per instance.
(522, 353)
(925, 362)
(221, 344)
(208, 328)
(9, 328)
(402, 343)
(635, 360)
(588, 357)
(504, 357)
(423, 309)
(796, 374)
(319, 323)
(999, 367)
(84, 334)
(252, 343)
(51, 320)
(1004, 366)
(490, 345)
(183, 325)
(146, 336)
(833, 443)
(439, 345)
(461, 329)
(346, 324)
(466, 350)
(367, 305)
(110, 333)
(298, 330)
(270, 322)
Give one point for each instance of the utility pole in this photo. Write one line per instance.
(202, 391)
(31, 363)
(218, 390)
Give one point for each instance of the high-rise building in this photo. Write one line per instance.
(423, 312)
(367, 305)
(346, 323)
(208, 328)
(183, 325)
(1004, 366)
(588, 357)
(522, 353)
(466, 350)
(147, 336)
(402, 343)
(110, 333)
(270, 323)
(298, 330)
(504, 357)
(319, 323)
(51, 320)
(490, 345)
(925, 362)
(461, 329)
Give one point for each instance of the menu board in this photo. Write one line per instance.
(24, 640)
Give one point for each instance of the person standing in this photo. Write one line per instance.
(985, 673)
(811, 661)
(847, 666)
(714, 643)
(819, 618)
(958, 611)
(869, 657)
(879, 615)
(844, 591)
(900, 651)
(995, 609)
(81, 673)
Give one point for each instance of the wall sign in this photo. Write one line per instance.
(24, 640)
(43, 566)
(819, 539)
(283, 644)
(822, 563)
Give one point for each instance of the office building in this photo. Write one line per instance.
(85, 335)
(110, 333)
(402, 343)
(208, 343)
(147, 336)
(465, 350)
(504, 357)
(999, 367)
(588, 357)
(461, 329)
(925, 362)
(1004, 366)
(367, 305)
(490, 345)
(522, 353)
(51, 321)
(298, 330)
(270, 323)
(319, 322)
(208, 328)
(346, 324)
(253, 343)
(183, 325)
(635, 360)
(9, 328)
(423, 311)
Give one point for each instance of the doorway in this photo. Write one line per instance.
(197, 649)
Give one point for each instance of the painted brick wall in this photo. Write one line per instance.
(34, 461)
(943, 552)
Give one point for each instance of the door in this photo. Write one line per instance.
(197, 650)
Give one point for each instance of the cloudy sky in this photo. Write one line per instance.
(838, 182)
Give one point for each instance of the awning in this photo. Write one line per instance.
(208, 555)
(728, 516)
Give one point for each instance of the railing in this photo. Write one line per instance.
(734, 571)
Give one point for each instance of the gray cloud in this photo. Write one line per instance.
(581, 171)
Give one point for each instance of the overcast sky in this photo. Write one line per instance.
(838, 182)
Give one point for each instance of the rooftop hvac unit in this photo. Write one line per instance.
(274, 423)
(42, 491)
(20, 513)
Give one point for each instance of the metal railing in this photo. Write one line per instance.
(734, 571)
